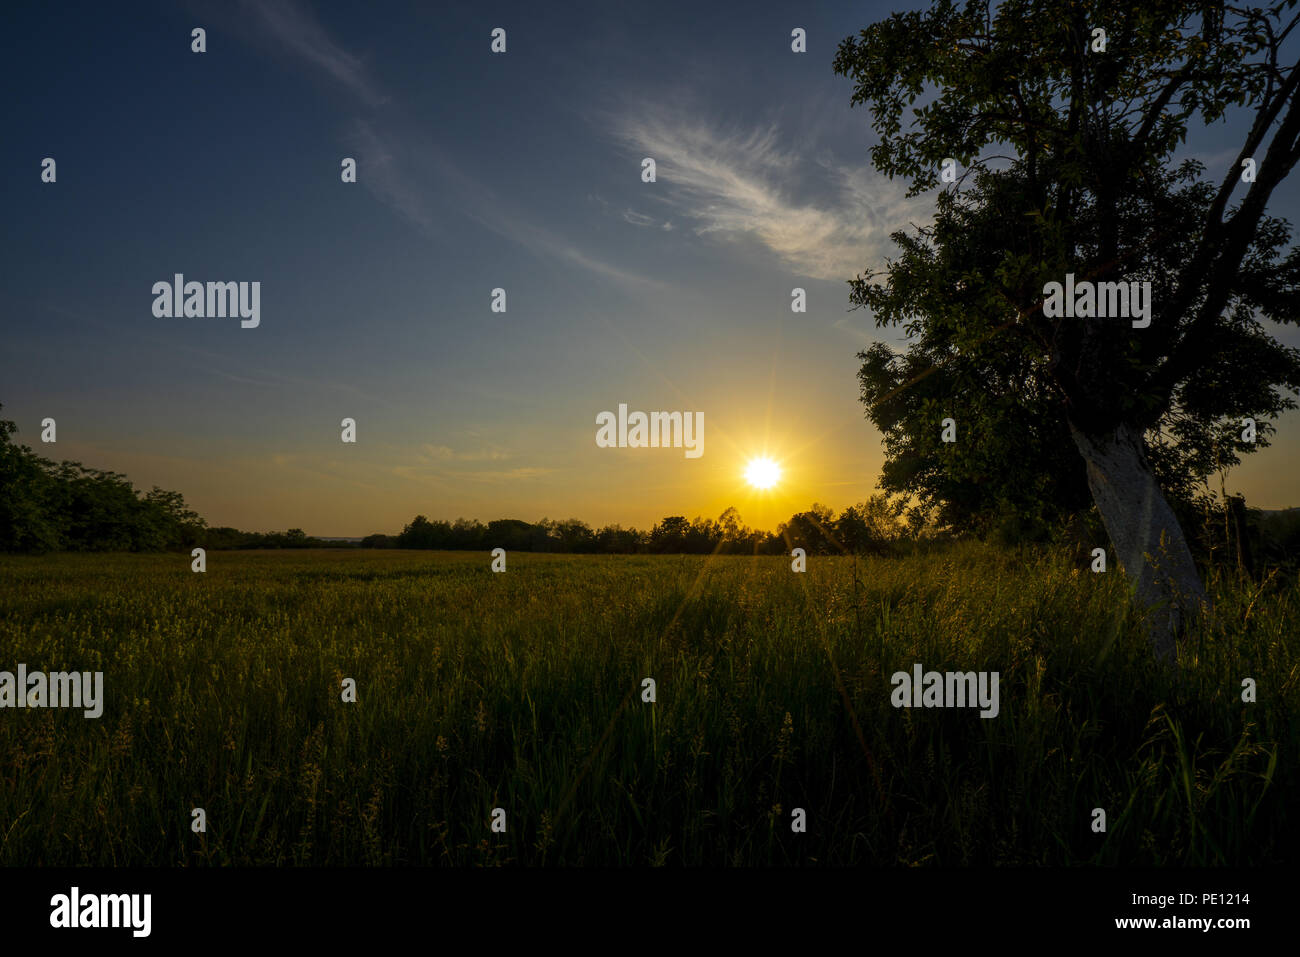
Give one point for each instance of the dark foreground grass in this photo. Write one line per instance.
(522, 691)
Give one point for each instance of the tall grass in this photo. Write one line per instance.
(522, 691)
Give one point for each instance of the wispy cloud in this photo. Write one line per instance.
(219, 364)
(442, 465)
(296, 29)
(741, 183)
(451, 479)
(576, 256)
(330, 469)
(859, 333)
(523, 473)
(398, 161)
(391, 181)
(444, 453)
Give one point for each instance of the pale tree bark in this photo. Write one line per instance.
(1144, 533)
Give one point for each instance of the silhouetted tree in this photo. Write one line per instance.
(1080, 182)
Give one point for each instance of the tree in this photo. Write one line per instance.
(25, 492)
(670, 534)
(616, 538)
(813, 531)
(871, 526)
(575, 535)
(419, 533)
(1080, 181)
(703, 536)
(176, 523)
(514, 535)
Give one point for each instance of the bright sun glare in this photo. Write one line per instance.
(762, 473)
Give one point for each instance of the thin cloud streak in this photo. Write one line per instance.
(399, 163)
(731, 183)
(296, 27)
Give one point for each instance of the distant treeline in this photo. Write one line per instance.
(874, 526)
(47, 506)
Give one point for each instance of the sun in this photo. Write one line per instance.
(762, 473)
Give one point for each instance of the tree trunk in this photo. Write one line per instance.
(1144, 533)
(1241, 532)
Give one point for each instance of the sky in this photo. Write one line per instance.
(475, 171)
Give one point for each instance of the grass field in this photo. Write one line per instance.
(522, 691)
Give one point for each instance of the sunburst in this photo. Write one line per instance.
(762, 473)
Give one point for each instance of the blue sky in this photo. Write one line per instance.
(475, 171)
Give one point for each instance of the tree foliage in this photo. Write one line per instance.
(66, 506)
(1067, 156)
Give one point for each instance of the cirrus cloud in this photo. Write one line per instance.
(823, 217)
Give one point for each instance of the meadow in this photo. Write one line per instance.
(523, 691)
